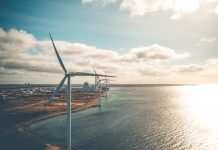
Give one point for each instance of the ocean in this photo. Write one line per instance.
(136, 118)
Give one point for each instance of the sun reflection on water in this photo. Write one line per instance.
(200, 107)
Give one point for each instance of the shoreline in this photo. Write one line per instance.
(22, 125)
(35, 116)
(91, 103)
(18, 121)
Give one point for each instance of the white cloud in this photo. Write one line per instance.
(21, 50)
(207, 68)
(176, 16)
(153, 53)
(188, 68)
(142, 7)
(14, 40)
(153, 70)
(206, 40)
(102, 2)
(216, 10)
(212, 61)
(23, 57)
(179, 8)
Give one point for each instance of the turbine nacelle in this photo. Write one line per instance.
(67, 76)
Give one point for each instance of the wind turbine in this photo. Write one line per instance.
(106, 82)
(102, 81)
(68, 75)
(96, 79)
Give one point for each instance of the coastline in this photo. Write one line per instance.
(29, 116)
(22, 125)
(47, 146)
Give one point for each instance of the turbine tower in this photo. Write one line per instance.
(99, 82)
(106, 82)
(96, 79)
(68, 75)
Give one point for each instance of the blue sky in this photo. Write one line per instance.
(121, 25)
(68, 20)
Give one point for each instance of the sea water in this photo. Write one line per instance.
(138, 118)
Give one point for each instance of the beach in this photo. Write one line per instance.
(15, 120)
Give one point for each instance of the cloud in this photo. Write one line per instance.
(206, 40)
(23, 57)
(216, 10)
(176, 16)
(212, 61)
(16, 40)
(142, 7)
(188, 68)
(179, 8)
(102, 2)
(153, 53)
(153, 70)
(208, 68)
(20, 50)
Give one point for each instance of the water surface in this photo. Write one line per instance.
(136, 118)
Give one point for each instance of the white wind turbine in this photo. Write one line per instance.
(103, 81)
(98, 81)
(106, 82)
(67, 76)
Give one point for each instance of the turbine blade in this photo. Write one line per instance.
(99, 81)
(95, 72)
(56, 90)
(59, 58)
(87, 74)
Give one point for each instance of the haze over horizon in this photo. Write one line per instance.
(139, 41)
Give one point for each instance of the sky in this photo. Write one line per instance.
(139, 41)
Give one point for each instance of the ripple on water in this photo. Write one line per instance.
(144, 118)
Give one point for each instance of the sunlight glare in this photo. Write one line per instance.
(200, 108)
(202, 104)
